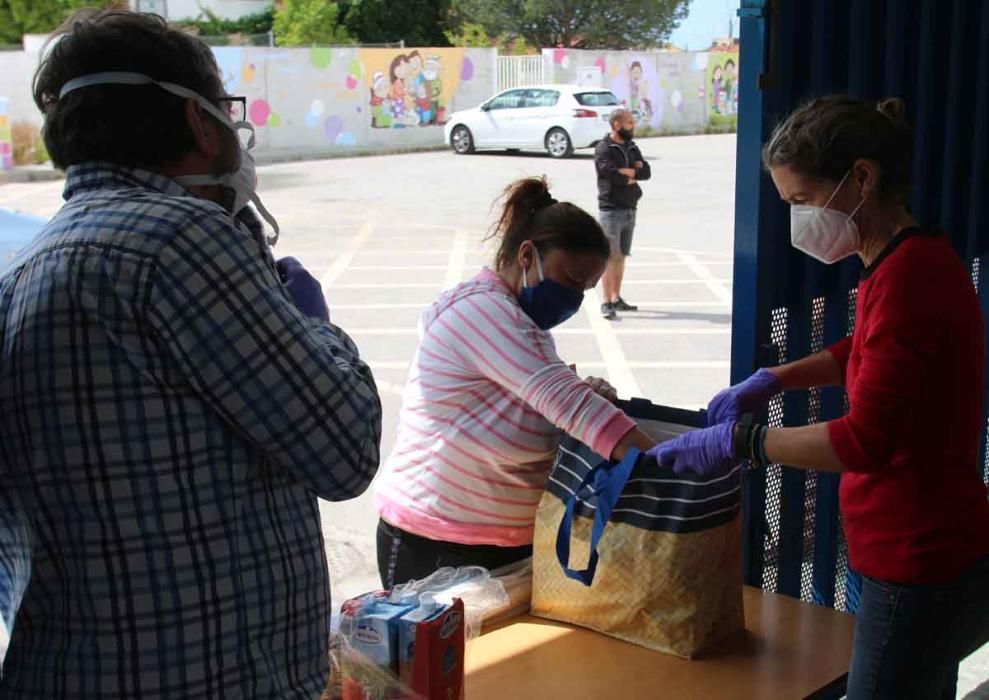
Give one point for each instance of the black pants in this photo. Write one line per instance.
(403, 557)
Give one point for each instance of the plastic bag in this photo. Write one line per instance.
(354, 676)
(475, 585)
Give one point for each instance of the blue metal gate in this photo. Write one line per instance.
(935, 55)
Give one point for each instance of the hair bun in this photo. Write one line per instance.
(894, 109)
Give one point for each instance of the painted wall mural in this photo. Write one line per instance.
(337, 98)
(6, 140)
(664, 90)
(414, 88)
(721, 87)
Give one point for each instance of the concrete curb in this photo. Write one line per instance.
(46, 173)
(31, 173)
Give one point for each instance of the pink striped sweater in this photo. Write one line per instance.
(487, 402)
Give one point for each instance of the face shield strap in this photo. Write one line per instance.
(128, 78)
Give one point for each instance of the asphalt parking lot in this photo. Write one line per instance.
(387, 234)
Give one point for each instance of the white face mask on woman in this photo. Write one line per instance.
(825, 234)
(242, 182)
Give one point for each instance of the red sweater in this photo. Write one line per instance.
(912, 498)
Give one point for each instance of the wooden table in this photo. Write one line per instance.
(788, 650)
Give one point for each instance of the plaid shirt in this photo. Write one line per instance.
(169, 418)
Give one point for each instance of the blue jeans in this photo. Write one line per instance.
(910, 639)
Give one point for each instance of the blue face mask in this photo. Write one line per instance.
(549, 303)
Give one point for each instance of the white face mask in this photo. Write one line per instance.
(824, 234)
(243, 181)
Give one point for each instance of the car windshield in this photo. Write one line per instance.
(596, 99)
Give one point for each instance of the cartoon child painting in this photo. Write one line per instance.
(431, 76)
(397, 73)
(731, 87)
(381, 114)
(716, 89)
(423, 103)
(409, 95)
(638, 103)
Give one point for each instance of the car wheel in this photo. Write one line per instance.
(462, 140)
(558, 143)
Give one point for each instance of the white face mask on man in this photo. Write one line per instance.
(825, 234)
(242, 182)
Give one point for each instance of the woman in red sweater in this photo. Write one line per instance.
(913, 502)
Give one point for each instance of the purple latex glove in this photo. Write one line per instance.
(751, 396)
(304, 288)
(708, 453)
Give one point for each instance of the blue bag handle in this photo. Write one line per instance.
(609, 482)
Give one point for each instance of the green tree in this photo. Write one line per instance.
(581, 24)
(470, 35)
(20, 17)
(417, 22)
(309, 23)
(210, 24)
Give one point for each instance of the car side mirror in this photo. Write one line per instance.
(486, 107)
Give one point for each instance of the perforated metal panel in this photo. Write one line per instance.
(929, 52)
(774, 485)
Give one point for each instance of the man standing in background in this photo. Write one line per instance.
(620, 166)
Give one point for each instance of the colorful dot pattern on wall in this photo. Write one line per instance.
(320, 58)
(258, 112)
(6, 141)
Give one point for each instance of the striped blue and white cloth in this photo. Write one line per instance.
(168, 419)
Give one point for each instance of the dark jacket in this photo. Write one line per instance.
(614, 192)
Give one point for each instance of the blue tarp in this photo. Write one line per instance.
(16, 229)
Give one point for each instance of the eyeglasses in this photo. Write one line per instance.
(236, 107)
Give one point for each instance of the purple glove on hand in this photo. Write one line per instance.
(709, 453)
(304, 288)
(751, 396)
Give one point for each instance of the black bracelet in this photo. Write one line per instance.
(754, 447)
(741, 434)
(760, 443)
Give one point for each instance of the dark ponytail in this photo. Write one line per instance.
(529, 213)
(825, 137)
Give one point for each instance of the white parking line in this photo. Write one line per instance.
(619, 372)
(662, 364)
(665, 263)
(597, 364)
(674, 282)
(716, 285)
(670, 305)
(342, 262)
(389, 387)
(395, 268)
(565, 331)
(458, 256)
(389, 285)
(377, 307)
(659, 249)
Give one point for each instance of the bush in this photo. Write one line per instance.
(28, 146)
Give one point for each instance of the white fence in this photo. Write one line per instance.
(520, 71)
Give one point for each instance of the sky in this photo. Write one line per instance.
(707, 19)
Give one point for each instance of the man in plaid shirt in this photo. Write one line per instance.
(169, 413)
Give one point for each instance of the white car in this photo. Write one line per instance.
(555, 118)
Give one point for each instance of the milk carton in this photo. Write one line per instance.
(376, 633)
(431, 650)
(407, 628)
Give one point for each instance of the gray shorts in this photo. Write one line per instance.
(618, 225)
